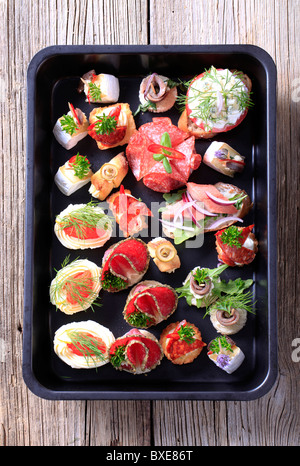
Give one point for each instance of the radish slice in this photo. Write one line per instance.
(200, 209)
(173, 225)
(222, 201)
(221, 221)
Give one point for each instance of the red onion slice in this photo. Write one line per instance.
(222, 201)
(200, 209)
(173, 225)
(221, 221)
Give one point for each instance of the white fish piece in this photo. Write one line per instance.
(67, 140)
(108, 85)
(66, 180)
(228, 357)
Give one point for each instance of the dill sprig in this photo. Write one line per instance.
(75, 287)
(94, 91)
(84, 218)
(206, 98)
(68, 124)
(89, 346)
(229, 302)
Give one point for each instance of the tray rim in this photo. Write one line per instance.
(271, 104)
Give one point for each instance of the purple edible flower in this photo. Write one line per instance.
(223, 360)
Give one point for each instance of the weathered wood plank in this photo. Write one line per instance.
(272, 26)
(25, 28)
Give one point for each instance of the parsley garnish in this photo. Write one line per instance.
(105, 125)
(186, 333)
(118, 357)
(68, 124)
(232, 236)
(218, 343)
(110, 281)
(94, 91)
(81, 166)
(139, 319)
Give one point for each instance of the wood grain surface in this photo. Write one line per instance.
(26, 26)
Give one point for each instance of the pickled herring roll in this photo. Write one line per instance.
(83, 345)
(76, 286)
(83, 226)
(225, 354)
(199, 286)
(109, 176)
(156, 94)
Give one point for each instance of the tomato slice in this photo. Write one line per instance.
(113, 138)
(172, 153)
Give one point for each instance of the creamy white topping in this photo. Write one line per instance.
(58, 291)
(63, 336)
(72, 242)
(223, 111)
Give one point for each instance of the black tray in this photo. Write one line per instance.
(53, 76)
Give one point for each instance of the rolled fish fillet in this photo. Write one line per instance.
(82, 226)
(83, 345)
(76, 286)
(66, 180)
(109, 176)
(225, 323)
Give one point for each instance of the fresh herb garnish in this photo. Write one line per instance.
(165, 140)
(186, 333)
(139, 319)
(80, 165)
(94, 91)
(89, 346)
(84, 218)
(111, 281)
(144, 107)
(232, 236)
(68, 124)
(218, 343)
(105, 124)
(74, 287)
(118, 357)
(232, 92)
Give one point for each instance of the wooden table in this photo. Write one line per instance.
(26, 27)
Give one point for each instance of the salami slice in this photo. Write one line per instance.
(241, 254)
(150, 304)
(124, 265)
(138, 352)
(147, 167)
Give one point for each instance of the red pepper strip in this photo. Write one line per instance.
(172, 153)
(74, 113)
(115, 112)
(239, 162)
(175, 334)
